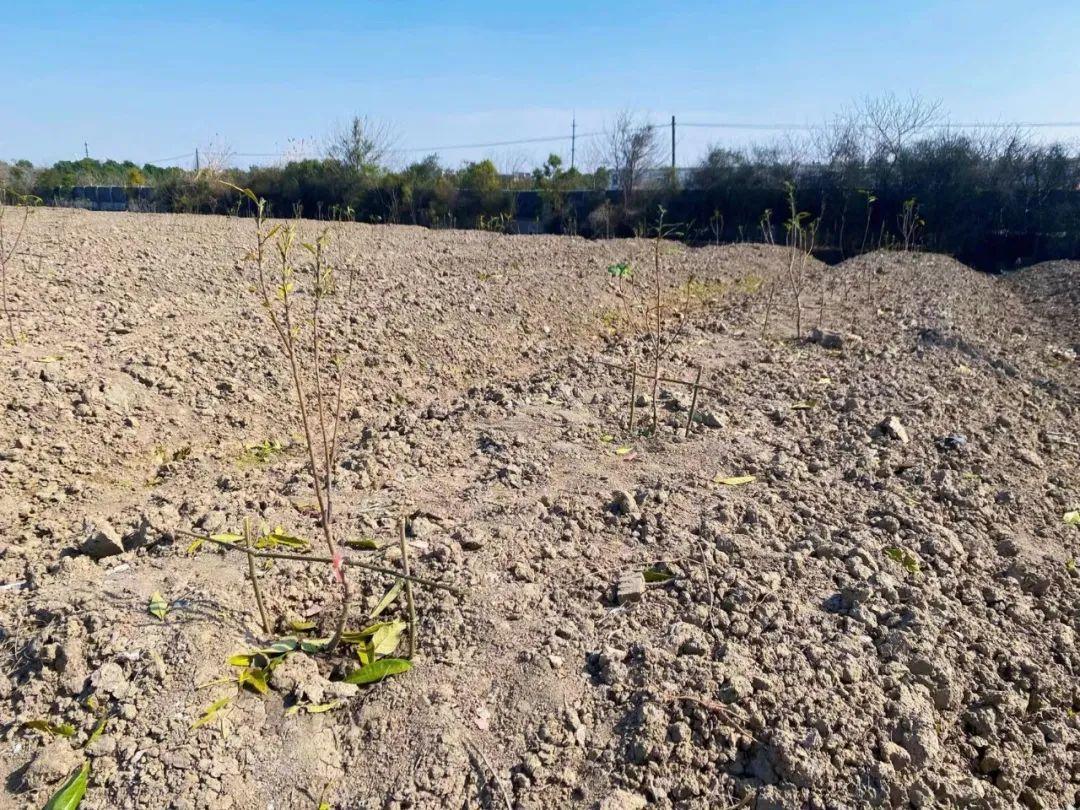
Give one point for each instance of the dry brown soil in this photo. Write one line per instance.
(887, 616)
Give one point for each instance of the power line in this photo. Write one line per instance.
(727, 125)
(734, 125)
(546, 139)
(944, 125)
(171, 159)
(730, 125)
(1009, 124)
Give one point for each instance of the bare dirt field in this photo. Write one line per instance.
(885, 616)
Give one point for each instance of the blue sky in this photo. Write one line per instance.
(148, 80)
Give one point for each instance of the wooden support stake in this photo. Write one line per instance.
(254, 579)
(310, 558)
(408, 592)
(672, 380)
(633, 394)
(693, 402)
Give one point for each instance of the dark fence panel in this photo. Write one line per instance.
(989, 228)
(105, 198)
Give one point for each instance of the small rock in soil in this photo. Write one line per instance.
(102, 541)
(834, 340)
(623, 503)
(109, 679)
(894, 429)
(630, 588)
(55, 761)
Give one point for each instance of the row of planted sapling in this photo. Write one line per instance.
(642, 307)
(645, 309)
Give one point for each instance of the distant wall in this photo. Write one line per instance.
(106, 198)
(987, 229)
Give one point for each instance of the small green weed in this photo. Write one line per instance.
(261, 452)
(904, 558)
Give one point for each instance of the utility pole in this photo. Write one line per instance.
(673, 142)
(196, 159)
(86, 150)
(573, 140)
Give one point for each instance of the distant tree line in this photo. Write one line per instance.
(887, 172)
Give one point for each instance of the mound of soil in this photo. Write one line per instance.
(1053, 290)
(879, 607)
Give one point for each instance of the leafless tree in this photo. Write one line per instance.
(296, 149)
(630, 146)
(841, 145)
(362, 144)
(779, 161)
(510, 161)
(842, 142)
(514, 166)
(892, 121)
(216, 157)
